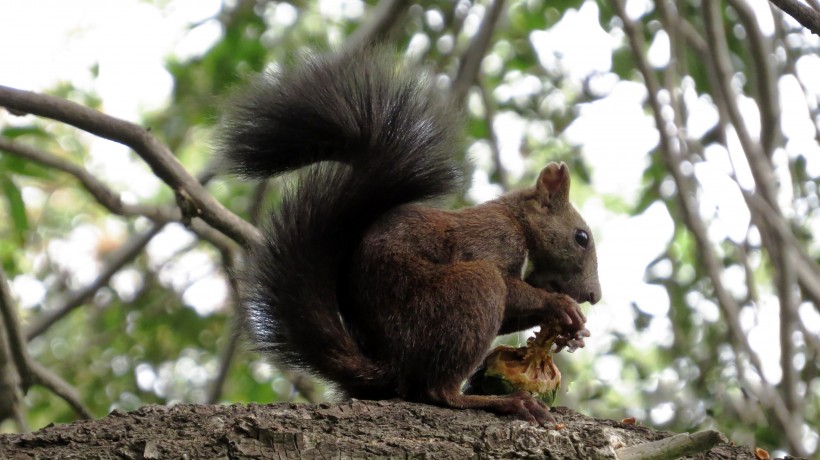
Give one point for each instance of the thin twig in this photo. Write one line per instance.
(378, 27)
(33, 371)
(45, 378)
(471, 59)
(489, 111)
(12, 359)
(124, 254)
(104, 195)
(17, 344)
(193, 199)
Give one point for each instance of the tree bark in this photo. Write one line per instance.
(354, 429)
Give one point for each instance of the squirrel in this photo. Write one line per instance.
(358, 281)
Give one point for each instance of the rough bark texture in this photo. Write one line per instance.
(355, 429)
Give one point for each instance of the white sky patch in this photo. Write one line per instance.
(616, 134)
(763, 13)
(168, 242)
(702, 114)
(576, 44)
(510, 129)
(207, 295)
(625, 247)
(659, 53)
(722, 203)
(29, 290)
(77, 254)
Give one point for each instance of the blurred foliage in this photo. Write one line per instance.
(125, 348)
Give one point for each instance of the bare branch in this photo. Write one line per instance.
(124, 254)
(779, 252)
(104, 195)
(377, 28)
(193, 199)
(12, 359)
(808, 17)
(471, 60)
(489, 109)
(689, 209)
(762, 57)
(33, 371)
(17, 345)
(58, 386)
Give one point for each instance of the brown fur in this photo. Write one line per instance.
(433, 288)
(357, 282)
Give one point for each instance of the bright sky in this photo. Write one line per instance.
(48, 41)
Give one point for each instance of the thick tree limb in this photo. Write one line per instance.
(193, 199)
(355, 429)
(807, 16)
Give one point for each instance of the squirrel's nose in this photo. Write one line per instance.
(594, 295)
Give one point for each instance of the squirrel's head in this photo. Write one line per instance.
(562, 248)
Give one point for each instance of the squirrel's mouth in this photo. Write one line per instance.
(577, 294)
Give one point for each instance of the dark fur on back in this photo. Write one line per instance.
(374, 137)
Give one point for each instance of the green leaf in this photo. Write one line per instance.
(16, 206)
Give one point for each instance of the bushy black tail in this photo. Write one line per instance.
(375, 135)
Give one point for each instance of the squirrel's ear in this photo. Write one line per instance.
(552, 187)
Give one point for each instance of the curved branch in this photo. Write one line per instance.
(30, 371)
(192, 197)
(808, 17)
(58, 386)
(104, 195)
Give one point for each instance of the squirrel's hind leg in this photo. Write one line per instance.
(521, 405)
(473, 307)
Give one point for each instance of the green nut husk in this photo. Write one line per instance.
(508, 370)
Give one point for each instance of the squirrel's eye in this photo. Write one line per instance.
(582, 238)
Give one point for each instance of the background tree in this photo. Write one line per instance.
(693, 126)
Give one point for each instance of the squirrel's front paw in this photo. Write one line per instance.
(571, 342)
(567, 311)
(571, 321)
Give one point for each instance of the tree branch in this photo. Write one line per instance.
(689, 210)
(808, 17)
(382, 21)
(101, 192)
(471, 59)
(193, 199)
(124, 254)
(760, 164)
(29, 370)
(489, 112)
(761, 54)
(58, 386)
